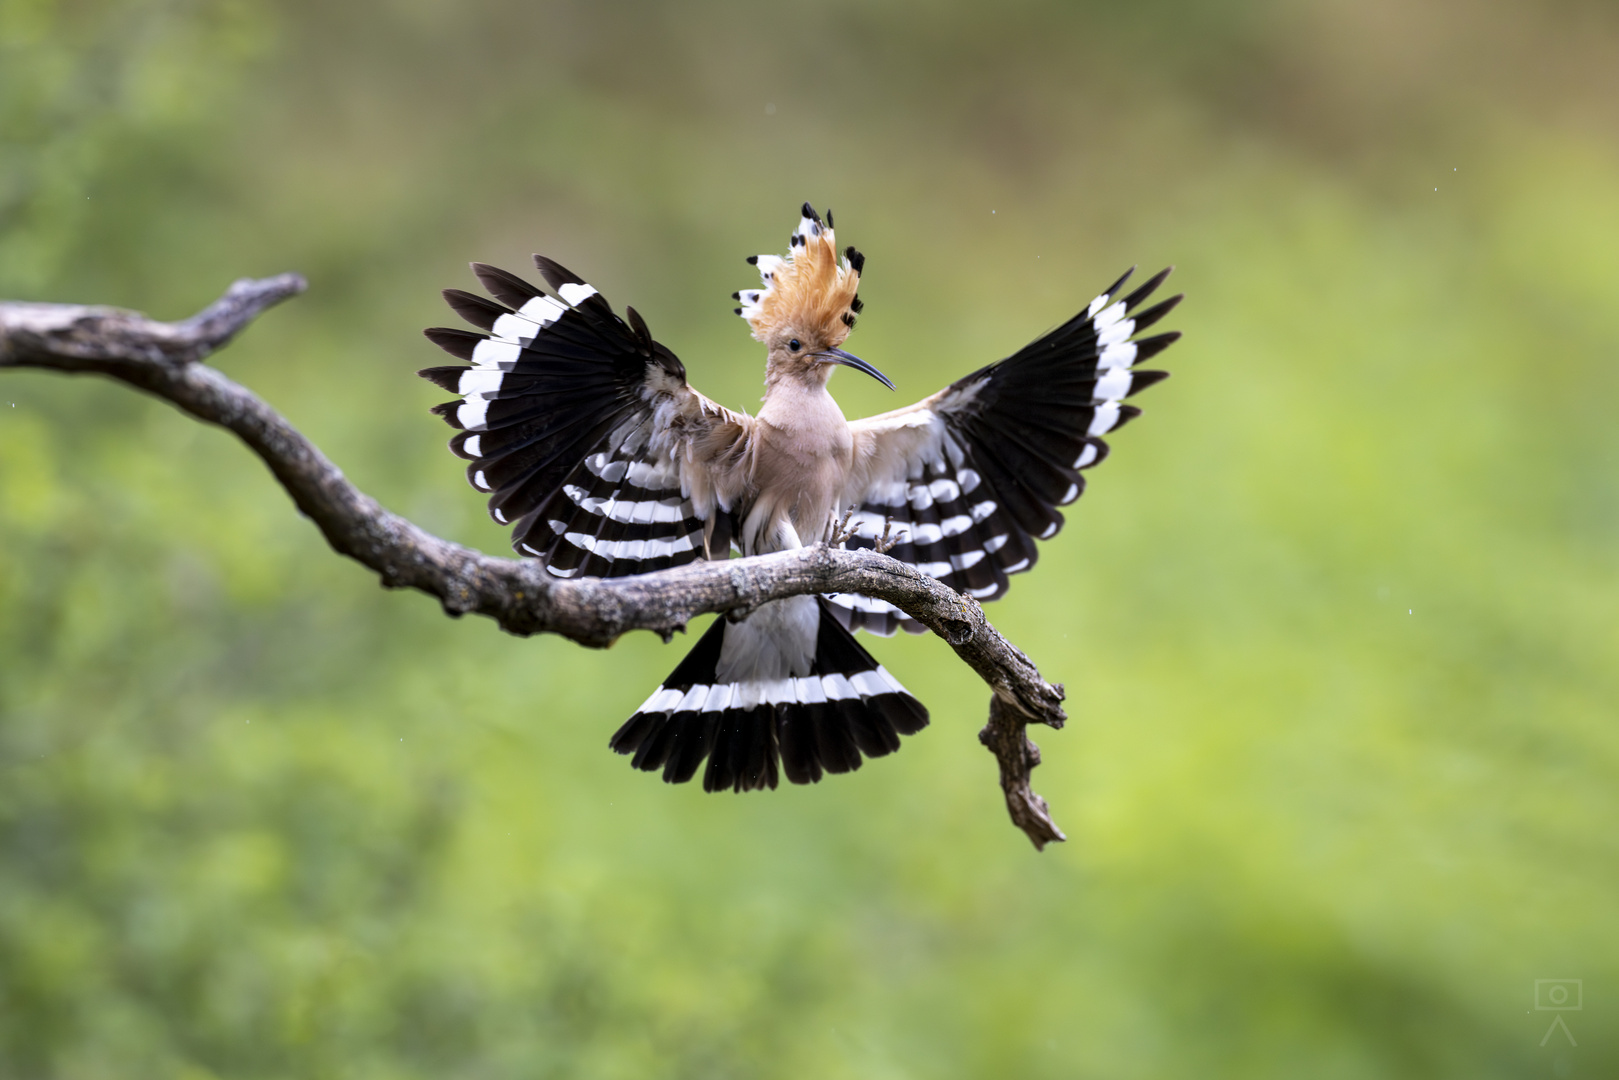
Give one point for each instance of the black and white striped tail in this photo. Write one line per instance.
(821, 720)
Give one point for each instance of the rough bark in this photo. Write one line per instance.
(164, 359)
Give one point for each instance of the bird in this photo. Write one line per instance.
(605, 462)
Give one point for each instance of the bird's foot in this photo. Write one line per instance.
(842, 533)
(884, 543)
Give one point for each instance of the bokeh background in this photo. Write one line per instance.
(1337, 619)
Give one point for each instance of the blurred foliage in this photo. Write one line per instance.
(1337, 619)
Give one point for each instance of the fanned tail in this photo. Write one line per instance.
(786, 690)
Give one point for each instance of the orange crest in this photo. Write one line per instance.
(810, 288)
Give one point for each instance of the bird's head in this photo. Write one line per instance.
(807, 304)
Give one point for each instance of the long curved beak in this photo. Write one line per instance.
(838, 356)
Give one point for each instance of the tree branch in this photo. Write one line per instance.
(164, 359)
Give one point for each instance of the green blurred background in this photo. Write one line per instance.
(1337, 620)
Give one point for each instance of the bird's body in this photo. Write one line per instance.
(802, 439)
(591, 443)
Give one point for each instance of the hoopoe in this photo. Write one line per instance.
(605, 462)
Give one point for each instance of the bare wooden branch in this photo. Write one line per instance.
(1007, 738)
(64, 335)
(164, 360)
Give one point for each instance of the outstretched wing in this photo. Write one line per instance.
(580, 427)
(973, 475)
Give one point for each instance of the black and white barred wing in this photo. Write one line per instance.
(566, 416)
(972, 476)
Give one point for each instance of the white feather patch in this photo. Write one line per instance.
(574, 295)
(472, 413)
(542, 309)
(602, 464)
(1103, 419)
(1109, 317)
(645, 512)
(489, 352)
(631, 550)
(515, 328)
(694, 700)
(966, 559)
(1114, 385)
(866, 523)
(810, 691)
(1117, 356)
(838, 688)
(875, 683)
(1116, 333)
(479, 381)
(956, 562)
(652, 475)
(856, 602)
(661, 701)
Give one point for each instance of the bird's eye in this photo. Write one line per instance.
(793, 345)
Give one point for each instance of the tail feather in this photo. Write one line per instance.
(754, 725)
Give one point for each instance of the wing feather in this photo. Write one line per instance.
(581, 427)
(975, 474)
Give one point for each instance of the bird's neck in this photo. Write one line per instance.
(801, 404)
